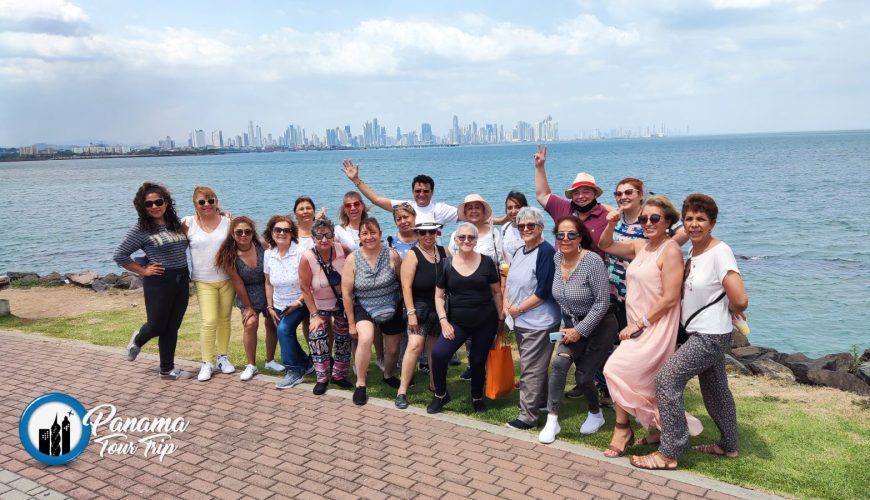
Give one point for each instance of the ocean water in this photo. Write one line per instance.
(792, 206)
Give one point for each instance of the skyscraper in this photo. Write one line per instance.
(426, 133)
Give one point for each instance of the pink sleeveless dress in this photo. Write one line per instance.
(632, 368)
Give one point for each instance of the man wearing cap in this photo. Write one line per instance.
(581, 199)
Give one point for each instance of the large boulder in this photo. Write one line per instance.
(82, 279)
(129, 282)
(111, 278)
(738, 339)
(99, 285)
(844, 381)
(863, 371)
(865, 356)
(800, 365)
(772, 369)
(749, 354)
(735, 367)
(54, 278)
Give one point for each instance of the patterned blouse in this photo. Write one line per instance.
(584, 297)
(622, 232)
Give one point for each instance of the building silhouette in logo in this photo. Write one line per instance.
(55, 440)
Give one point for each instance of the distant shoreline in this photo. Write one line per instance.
(206, 152)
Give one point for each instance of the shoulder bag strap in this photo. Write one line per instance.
(686, 324)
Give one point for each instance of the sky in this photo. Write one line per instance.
(133, 72)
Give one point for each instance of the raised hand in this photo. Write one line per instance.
(613, 216)
(350, 170)
(541, 156)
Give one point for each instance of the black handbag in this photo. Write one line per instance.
(682, 333)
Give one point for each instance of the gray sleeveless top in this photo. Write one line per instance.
(255, 281)
(378, 286)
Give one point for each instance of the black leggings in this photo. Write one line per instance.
(166, 298)
(482, 334)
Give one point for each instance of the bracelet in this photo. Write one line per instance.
(442, 318)
(358, 182)
(644, 321)
(412, 311)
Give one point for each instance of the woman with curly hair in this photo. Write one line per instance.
(241, 257)
(159, 234)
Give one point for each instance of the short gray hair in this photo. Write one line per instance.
(469, 225)
(321, 224)
(531, 213)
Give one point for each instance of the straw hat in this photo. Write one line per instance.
(472, 198)
(584, 180)
(426, 221)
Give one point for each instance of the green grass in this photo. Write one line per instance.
(29, 283)
(789, 444)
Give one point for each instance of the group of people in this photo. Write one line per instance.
(609, 298)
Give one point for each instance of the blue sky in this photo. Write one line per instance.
(72, 71)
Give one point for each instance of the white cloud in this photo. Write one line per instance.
(55, 10)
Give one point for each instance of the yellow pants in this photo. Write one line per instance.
(215, 305)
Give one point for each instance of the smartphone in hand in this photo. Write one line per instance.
(556, 337)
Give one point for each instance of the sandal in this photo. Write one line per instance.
(616, 452)
(714, 449)
(653, 461)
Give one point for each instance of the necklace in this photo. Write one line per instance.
(653, 249)
(433, 255)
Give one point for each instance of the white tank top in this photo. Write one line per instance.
(204, 248)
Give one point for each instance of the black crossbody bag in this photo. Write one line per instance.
(333, 277)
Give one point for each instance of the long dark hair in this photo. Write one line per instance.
(226, 256)
(173, 223)
(586, 240)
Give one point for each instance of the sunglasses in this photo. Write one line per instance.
(320, 236)
(654, 219)
(243, 232)
(352, 204)
(627, 192)
(466, 237)
(571, 235)
(154, 203)
(527, 227)
(284, 230)
(203, 201)
(422, 191)
(426, 232)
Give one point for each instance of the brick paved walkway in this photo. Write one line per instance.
(252, 440)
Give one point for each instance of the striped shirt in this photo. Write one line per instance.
(166, 247)
(585, 294)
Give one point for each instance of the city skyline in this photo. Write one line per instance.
(73, 71)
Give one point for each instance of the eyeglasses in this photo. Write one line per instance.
(422, 191)
(320, 236)
(426, 232)
(154, 203)
(527, 227)
(466, 237)
(627, 192)
(571, 235)
(243, 232)
(654, 219)
(352, 204)
(203, 201)
(284, 230)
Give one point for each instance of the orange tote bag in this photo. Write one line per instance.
(499, 369)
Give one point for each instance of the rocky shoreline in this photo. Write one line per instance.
(844, 371)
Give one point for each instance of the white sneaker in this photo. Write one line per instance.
(224, 365)
(594, 421)
(551, 430)
(248, 373)
(205, 372)
(274, 366)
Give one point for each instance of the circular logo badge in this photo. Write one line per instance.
(51, 429)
